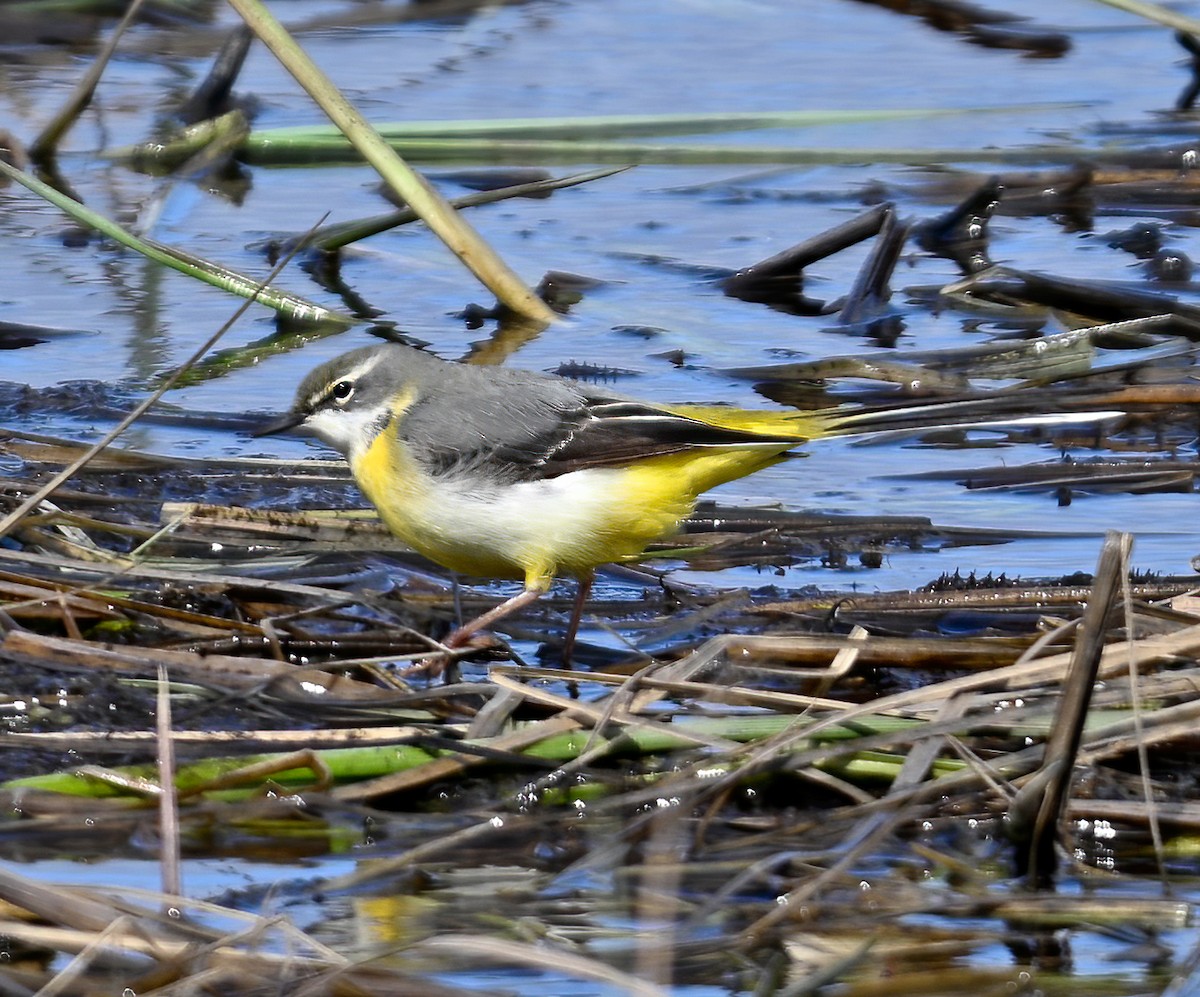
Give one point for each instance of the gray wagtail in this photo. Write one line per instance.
(502, 473)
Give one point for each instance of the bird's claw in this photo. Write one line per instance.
(454, 651)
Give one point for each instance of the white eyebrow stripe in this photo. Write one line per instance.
(355, 375)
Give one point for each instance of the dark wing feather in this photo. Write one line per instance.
(620, 432)
(520, 426)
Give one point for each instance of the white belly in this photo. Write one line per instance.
(538, 528)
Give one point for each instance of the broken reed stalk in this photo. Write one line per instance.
(1036, 811)
(1143, 749)
(443, 220)
(214, 92)
(168, 800)
(793, 260)
(871, 290)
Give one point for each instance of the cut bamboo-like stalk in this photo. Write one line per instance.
(446, 223)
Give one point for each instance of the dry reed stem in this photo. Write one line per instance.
(168, 801)
(1036, 809)
(490, 949)
(43, 492)
(217, 741)
(45, 145)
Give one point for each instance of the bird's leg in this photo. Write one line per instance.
(456, 591)
(583, 589)
(435, 665)
(468, 630)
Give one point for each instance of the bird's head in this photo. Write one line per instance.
(347, 401)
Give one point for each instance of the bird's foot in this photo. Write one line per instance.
(445, 662)
(472, 636)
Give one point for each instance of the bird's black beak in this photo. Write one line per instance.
(281, 424)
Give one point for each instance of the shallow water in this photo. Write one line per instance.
(553, 59)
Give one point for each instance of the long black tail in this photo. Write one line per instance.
(1028, 407)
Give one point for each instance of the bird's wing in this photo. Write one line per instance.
(502, 422)
(620, 431)
(517, 426)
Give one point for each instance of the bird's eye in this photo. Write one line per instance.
(342, 391)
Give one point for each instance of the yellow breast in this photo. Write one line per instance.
(536, 530)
